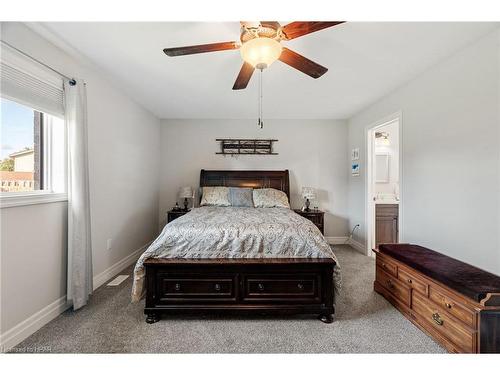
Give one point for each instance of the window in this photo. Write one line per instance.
(32, 133)
(32, 150)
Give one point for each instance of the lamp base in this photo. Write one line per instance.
(307, 209)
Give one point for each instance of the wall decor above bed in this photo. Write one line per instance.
(246, 146)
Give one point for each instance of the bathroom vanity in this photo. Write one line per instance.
(386, 223)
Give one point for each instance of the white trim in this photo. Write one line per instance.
(27, 327)
(112, 271)
(337, 240)
(26, 198)
(358, 246)
(369, 206)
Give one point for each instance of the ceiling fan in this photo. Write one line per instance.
(260, 45)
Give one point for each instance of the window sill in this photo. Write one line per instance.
(25, 199)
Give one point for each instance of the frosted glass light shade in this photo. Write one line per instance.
(186, 192)
(309, 193)
(261, 52)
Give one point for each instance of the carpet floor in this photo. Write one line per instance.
(364, 323)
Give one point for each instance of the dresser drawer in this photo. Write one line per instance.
(394, 286)
(439, 320)
(451, 306)
(179, 287)
(407, 277)
(283, 287)
(388, 266)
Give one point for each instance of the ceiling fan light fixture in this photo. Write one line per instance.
(261, 52)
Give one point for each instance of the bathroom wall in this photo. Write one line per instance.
(392, 149)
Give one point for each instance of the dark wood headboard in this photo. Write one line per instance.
(254, 179)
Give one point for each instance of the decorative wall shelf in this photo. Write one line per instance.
(246, 146)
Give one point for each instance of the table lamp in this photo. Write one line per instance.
(308, 193)
(186, 192)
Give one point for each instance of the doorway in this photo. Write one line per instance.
(383, 179)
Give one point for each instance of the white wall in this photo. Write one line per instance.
(451, 162)
(315, 152)
(124, 153)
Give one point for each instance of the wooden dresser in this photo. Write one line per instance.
(453, 302)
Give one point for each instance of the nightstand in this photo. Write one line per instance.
(174, 214)
(316, 216)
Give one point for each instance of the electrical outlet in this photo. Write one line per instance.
(109, 244)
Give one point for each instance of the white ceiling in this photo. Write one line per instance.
(366, 61)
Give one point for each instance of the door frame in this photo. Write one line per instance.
(369, 204)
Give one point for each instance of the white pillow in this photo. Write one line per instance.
(215, 196)
(267, 198)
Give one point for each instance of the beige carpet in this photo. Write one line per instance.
(364, 323)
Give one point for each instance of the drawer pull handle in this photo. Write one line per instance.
(410, 281)
(217, 287)
(260, 286)
(448, 305)
(437, 319)
(300, 286)
(390, 284)
(177, 286)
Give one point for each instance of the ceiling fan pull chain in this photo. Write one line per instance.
(261, 121)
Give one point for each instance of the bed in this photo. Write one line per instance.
(239, 259)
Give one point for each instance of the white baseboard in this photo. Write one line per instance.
(358, 246)
(336, 240)
(112, 271)
(27, 327)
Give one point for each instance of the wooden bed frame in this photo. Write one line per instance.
(284, 286)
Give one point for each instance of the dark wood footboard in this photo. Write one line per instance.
(281, 286)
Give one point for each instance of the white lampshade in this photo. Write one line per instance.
(186, 192)
(261, 52)
(309, 192)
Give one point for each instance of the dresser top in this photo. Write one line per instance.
(311, 211)
(465, 279)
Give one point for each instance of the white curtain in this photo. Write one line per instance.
(79, 276)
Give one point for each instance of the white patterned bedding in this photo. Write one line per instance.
(236, 232)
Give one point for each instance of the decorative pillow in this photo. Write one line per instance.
(240, 197)
(215, 196)
(266, 198)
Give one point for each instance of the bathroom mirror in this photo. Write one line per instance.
(382, 168)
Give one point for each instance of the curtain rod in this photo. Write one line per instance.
(71, 81)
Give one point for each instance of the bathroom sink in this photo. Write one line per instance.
(386, 199)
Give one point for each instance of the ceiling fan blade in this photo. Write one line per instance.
(272, 24)
(295, 29)
(301, 63)
(244, 76)
(201, 48)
